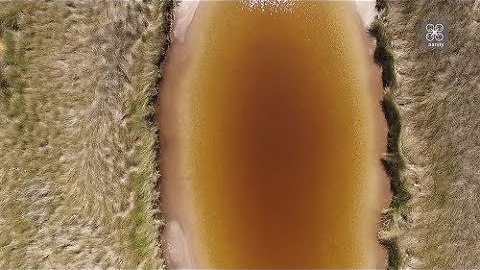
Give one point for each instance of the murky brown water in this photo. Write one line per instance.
(267, 130)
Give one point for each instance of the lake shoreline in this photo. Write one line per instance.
(175, 205)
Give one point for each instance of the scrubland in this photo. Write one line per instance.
(432, 104)
(78, 175)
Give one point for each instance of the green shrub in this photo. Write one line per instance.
(382, 54)
(381, 5)
(9, 21)
(9, 47)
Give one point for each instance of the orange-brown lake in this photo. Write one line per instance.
(268, 137)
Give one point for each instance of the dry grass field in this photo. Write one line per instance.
(77, 146)
(78, 175)
(433, 103)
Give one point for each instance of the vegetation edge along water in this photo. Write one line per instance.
(168, 11)
(393, 162)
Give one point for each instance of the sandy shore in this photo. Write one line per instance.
(177, 203)
(381, 131)
(180, 232)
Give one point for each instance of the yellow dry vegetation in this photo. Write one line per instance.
(78, 170)
(432, 103)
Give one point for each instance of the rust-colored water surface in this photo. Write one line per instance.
(268, 133)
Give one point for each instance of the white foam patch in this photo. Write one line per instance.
(177, 248)
(281, 5)
(183, 17)
(366, 10)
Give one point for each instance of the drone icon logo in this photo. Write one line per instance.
(434, 32)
